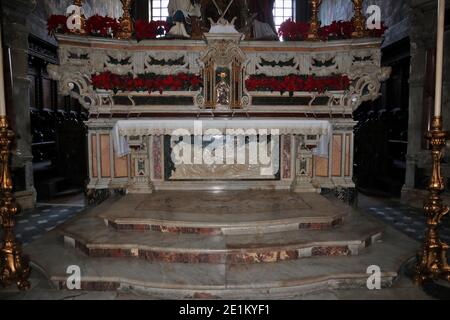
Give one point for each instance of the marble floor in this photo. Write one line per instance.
(139, 241)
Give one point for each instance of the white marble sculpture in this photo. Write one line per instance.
(181, 11)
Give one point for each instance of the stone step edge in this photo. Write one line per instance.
(268, 254)
(184, 227)
(189, 291)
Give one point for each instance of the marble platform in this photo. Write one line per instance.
(256, 244)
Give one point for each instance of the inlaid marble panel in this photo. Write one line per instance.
(105, 155)
(321, 166)
(94, 164)
(286, 154)
(337, 155)
(157, 154)
(121, 167)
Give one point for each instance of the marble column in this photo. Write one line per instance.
(15, 33)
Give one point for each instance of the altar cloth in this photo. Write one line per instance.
(179, 127)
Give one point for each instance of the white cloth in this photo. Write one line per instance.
(184, 6)
(126, 128)
(263, 30)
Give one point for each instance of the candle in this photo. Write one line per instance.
(439, 58)
(2, 81)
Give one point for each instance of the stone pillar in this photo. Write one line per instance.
(15, 34)
(416, 85)
(303, 166)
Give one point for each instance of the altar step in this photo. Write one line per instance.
(93, 238)
(232, 212)
(222, 281)
(238, 262)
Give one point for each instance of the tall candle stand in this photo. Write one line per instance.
(359, 21)
(126, 23)
(14, 268)
(313, 34)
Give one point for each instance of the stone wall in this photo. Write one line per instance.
(423, 38)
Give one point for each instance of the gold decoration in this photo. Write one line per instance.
(82, 30)
(14, 268)
(126, 23)
(433, 263)
(359, 21)
(314, 23)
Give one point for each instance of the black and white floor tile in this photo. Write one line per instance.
(408, 220)
(33, 224)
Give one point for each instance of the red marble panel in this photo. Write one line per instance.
(337, 155)
(105, 155)
(94, 163)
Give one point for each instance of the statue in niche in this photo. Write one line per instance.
(223, 90)
(181, 13)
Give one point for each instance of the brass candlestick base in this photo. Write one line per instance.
(14, 268)
(433, 263)
(126, 23)
(313, 34)
(359, 22)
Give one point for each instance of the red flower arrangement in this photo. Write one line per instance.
(149, 82)
(150, 30)
(297, 83)
(102, 26)
(57, 24)
(293, 31)
(338, 30)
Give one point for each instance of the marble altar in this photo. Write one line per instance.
(143, 169)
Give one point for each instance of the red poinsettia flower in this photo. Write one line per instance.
(102, 26)
(146, 82)
(57, 24)
(297, 83)
(150, 30)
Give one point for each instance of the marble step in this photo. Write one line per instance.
(241, 281)
(90, 236)
(224, 213)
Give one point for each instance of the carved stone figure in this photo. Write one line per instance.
(181, 12)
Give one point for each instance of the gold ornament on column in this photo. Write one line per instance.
(433, 263)
(314, 23)
(126, 23)
(359, 21)
(82, 30)
(14, 268)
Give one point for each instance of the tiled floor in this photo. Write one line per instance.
(410, 221)
(33, 224)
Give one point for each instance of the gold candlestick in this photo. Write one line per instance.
(433, 263)
(126, 23)
(14, 268)
(82, 30)
(314, 23)
(359, 21)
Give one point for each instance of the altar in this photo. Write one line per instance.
(138, 93)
